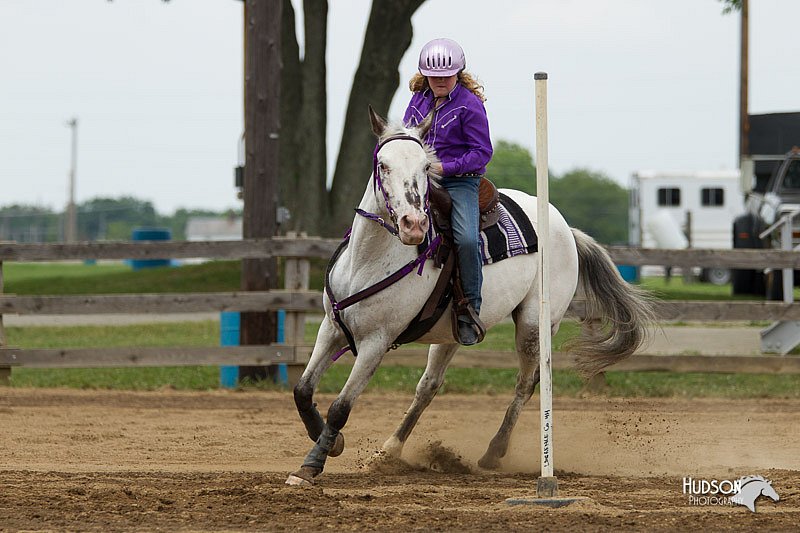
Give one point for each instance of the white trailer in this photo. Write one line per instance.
(685, 209)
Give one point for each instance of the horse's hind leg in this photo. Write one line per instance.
(527, 340)
(439, 357)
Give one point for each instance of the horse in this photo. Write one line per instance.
(751, 488)
(392, 221)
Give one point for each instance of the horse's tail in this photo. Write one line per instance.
(625, 311)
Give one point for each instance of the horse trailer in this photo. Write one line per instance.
(685, 210)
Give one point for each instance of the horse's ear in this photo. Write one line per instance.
(377, 122)
(425, 126)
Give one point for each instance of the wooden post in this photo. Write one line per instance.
(744, 117)
(262, 125)
(5, 371)
(296, 278)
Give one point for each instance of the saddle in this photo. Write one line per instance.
(442, 206)
(448, 287)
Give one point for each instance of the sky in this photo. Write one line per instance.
(157, 87)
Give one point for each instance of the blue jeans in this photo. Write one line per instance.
(465, 222)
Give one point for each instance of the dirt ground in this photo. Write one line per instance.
(217, 461)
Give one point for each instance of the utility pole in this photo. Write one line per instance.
(744, 118)
(262, 125)
(71, 221)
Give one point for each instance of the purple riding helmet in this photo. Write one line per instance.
(441, 58)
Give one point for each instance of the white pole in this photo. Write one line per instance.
(71, 226)
(547, 485)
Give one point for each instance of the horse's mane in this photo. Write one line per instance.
(747, 479)
(397, 128)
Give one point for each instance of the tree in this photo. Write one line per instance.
(731, 5)
(303, 160)
(588, 200)
(512, 167)
(29, 223)
(593, 203)
(113, 218)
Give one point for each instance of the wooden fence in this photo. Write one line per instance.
(297, 300)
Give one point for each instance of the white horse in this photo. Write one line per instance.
(396, 199)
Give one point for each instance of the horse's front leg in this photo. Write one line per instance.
(367, 362)
(329, 339)
(439, 357)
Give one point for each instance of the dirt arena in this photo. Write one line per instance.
(217, 461)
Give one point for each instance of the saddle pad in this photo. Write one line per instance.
(512, 235)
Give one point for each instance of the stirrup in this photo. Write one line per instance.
(464, 312)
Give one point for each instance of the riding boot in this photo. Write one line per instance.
(468, 329)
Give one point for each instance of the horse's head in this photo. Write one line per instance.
(402, 168)
(751, 487)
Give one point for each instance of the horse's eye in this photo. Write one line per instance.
(428, 167)
(382, 167)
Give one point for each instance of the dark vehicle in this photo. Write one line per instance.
(764, 206)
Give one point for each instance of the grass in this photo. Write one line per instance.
(567, 383)
(404, 379)
(677, 289)
(118, 278)
(38, 272)
(138, 379)
(205, 333)
(103, 278)
(223, 276)
(65, 278)
(399, 379)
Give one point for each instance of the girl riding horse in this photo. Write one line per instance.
(460, 137)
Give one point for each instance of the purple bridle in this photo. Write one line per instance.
(377, 183)
(418, 263)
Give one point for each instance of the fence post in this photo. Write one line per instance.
(296, 278)
(5, 371)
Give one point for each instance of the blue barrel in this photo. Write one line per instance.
(283, 371)
(229, 331)
(229, 336)
(629, 273)
(150, 234)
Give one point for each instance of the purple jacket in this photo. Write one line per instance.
(460, 131)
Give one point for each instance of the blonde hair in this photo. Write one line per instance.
(419, 83)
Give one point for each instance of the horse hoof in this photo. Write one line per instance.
(338, 446)
(489, 463)
(298, 481)
(303, 477)
(392, 447)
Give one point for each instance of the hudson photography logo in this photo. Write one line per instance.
(743, 491)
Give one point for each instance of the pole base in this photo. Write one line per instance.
(546, 502)
(546, 495)
(547, 487)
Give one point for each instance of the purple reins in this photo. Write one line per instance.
(418, 263)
